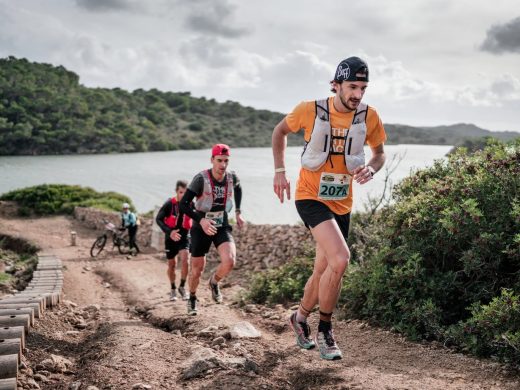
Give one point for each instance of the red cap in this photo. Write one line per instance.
(220, 150)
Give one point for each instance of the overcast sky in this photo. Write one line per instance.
(432, 62)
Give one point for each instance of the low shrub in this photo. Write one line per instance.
(282, 284)
(50, 199)
(492, 329)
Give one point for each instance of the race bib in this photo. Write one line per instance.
(216, 216)
(334, 186)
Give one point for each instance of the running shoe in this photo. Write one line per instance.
(302, 331)
(215, 292)
(327, 345)
(183, 293)
(192, 306)
(173, 295)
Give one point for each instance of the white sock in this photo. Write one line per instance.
(300, 317)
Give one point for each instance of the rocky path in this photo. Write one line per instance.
(120, 331)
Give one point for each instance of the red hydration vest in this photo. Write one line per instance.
(171, 220)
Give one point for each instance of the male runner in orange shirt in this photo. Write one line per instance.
(336, 130)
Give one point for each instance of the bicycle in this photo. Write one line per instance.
(118, 239)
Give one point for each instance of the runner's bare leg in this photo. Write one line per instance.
(228, 253)
(197, 267)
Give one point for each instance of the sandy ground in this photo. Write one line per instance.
(142, 340)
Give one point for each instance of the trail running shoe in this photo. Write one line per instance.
(302, 331)
(183, 293)
(215, 292)
(173, 295)
(327, 345)
(192, 306)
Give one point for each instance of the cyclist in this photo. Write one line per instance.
(332, 158)
(214, 189)
(176, 226)
(129, 222)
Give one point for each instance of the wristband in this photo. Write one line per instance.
(279, 170)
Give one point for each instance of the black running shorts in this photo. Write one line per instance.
(174, 247)
(200, 241)
(314, 212)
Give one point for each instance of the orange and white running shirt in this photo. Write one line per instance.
(308, 185)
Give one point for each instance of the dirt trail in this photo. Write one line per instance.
(143, 338)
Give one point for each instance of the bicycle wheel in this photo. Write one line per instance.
(123, 246)
(98, 245)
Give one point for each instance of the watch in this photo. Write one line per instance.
(371, 170)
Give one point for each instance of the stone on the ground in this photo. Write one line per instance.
(93, 308)
(208, 332)
(141, 386)
(92, 387)
(75, 385)
(200, 361)
(218, 341)
(57, 364)
(243, 330)
(40, 378)
(81, 325)
(29, 383)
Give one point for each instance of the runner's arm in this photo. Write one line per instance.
(164, 212)
(186, 203)
(378, 157)
(279, 143)
(179, 225)
(364, 174)
(237, 188)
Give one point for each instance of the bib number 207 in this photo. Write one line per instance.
(333, 191)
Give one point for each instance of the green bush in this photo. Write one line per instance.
(449, 242)
(493, 329)
(282, 284)
(49, 199)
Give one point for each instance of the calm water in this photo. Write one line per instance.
(149, 178)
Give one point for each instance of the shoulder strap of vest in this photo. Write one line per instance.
(322, 109)
(361, 114)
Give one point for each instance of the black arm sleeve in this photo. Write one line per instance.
(180, 219)
(186, 205)
(237, 189)
(238, 196)
(164, 212)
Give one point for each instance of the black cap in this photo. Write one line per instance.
(352, 69)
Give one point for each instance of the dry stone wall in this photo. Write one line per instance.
(258, 246)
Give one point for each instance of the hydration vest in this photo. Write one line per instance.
(171, 220)
(319, 147)
(204, 202)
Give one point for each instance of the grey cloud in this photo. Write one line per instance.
(207, 51)
(503, 38)
(214, 18)
(105, 5)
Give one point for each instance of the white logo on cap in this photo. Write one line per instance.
(343, 72)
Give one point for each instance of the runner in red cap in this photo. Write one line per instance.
(215, 189)
(220, 150)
